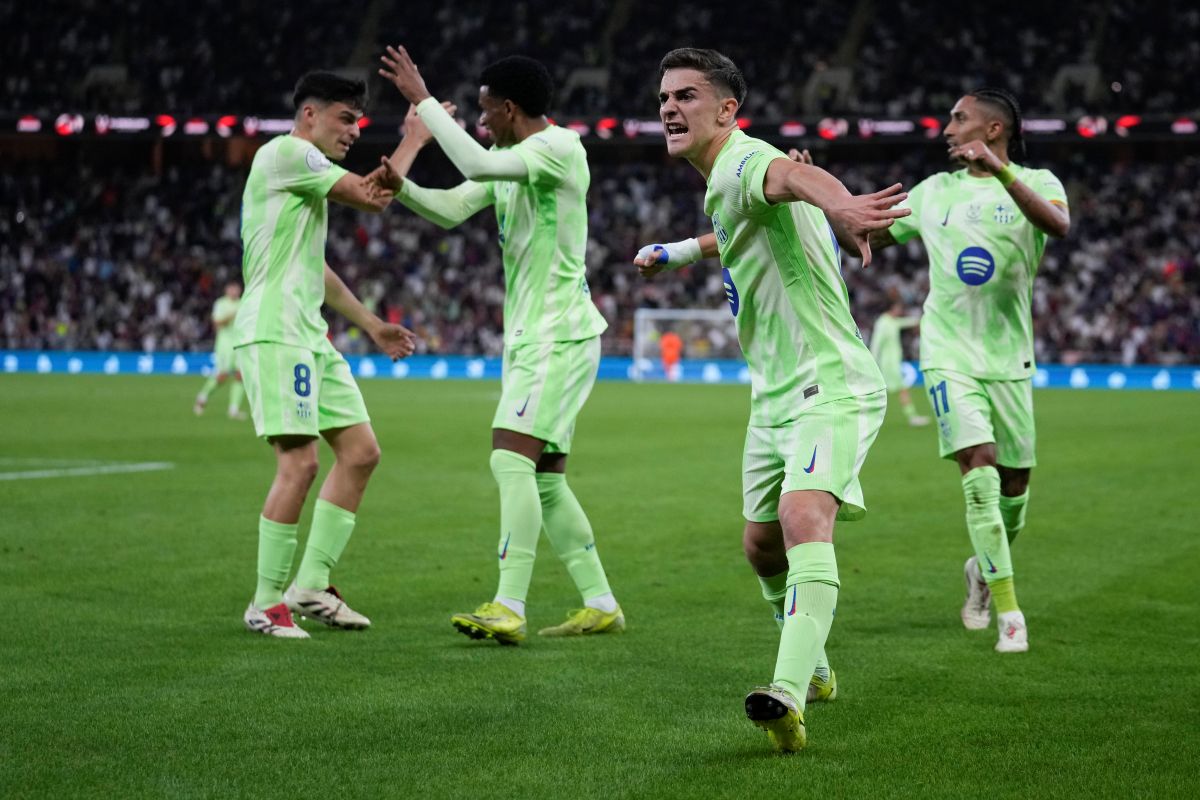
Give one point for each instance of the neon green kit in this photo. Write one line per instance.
(977, 330)
(225, 310)
(542, 223)
(296, 381)
(804, 351)
(887, 349)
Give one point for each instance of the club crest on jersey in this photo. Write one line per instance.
(1004, 214)
(974, 212)
(731, 292)
(722, 236)
(976, 266)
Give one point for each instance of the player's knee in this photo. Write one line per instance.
(366, 457)
(301, 471)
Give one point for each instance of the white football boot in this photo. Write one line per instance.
(977, 609)
(274, 621)
(1014, 636)
(325, 606)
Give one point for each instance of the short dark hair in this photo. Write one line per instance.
(718, 69)
(1005, 104)
(329, 87)
(521, 79)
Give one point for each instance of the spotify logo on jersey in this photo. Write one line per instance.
(975, 266)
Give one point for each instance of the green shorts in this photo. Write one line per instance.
(824, 450)
(544, 387)
(296, 391)
(972, 411)
(893, 376)
(225, 360)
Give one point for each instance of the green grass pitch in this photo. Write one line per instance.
(126, 671)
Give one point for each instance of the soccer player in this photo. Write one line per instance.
(984, 228)
(817, 397)
(889, 355)
(225, 367)
(300, 388)
(536, 176)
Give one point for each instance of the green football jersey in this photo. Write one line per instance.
(783, 279)
(543, 234)
(885, 338)
(225, 309)
(285, 218)
(983, 255)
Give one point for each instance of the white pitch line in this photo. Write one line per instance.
(104, 469)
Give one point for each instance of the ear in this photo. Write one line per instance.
(510, 108)
(728, 110)
(994, 130)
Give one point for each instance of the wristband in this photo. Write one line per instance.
(1006, 177)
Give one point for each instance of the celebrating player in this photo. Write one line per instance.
(889, 355)
(224, 367)
(299, 386)
(818, 399)
(536, 176)
(985, 228)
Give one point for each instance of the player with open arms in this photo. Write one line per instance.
(224, 313)
(817, 398)
(536, 176)
(300, 388)
(984, 228)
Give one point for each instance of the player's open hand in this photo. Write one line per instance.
(394, 340)
(404, 75)
(383, 180)
(801, 156)
(415, 129)
(977, 154)
(862, 214)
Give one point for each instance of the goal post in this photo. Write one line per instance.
(664, 338)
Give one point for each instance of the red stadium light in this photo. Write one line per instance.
(225, 125)
(166, 123)
(68, 124)
(932, 126)
(195, 127)
(1089, 127)
(363, 122)
(1183, 125)
(29, 124)
(743, 123)
(1123, 124)
(829, 128)
(605, 127)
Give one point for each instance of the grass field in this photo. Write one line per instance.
(127, 673)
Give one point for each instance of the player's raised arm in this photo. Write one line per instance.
(471, 158)
(1050, 217)
(878, 240)
(394, 340)
(853, 217)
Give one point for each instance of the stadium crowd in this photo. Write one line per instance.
(128, 260)
(906, 57)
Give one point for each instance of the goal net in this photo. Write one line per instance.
(671, 344)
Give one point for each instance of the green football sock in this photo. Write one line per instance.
(774, 589)
(570, 535)
(909, 409)
(808, 615)
(276, 547)
(331, 529)
(1012, 509)
(236, 393)
(981, 487)
(1004, 595)
(520, 521)
(207, 389)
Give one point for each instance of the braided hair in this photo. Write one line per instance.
(1004, 101)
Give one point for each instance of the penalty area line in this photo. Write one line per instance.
(96, 469)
